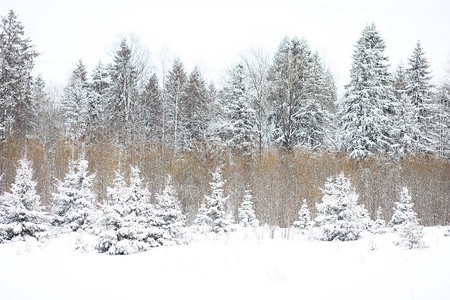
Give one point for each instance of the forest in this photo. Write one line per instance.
(276, 128)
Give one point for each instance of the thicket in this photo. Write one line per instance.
(279, 180)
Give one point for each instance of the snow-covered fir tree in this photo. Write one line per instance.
(129, 220)
(220, 218)
(75, 103)
(298, 91)
(237, 123)
(151, 110)
(247, 216)
(420, 91)
(379, 226)
(303, 223)
(75, 201)
(98, 104)
(403, 210)
(367, 112)
(405, 223)
(21, 214)
(407, 126)
(196, 108)
(443, 124)
(175, 93)
(17, 54)
(170, 213)
(338, 215)
(202, 223)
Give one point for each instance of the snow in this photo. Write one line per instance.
(243, 264)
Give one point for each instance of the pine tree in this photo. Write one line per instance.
(220, 219)
(443, 123)
(21, 214)
(404, 221)
(247, 216)
(75, 202)
(17, 54)
(420, 91)
(75, 104)
(130, 221)
(367, 114)
(339, 215)
(304, 222)
(171, 215)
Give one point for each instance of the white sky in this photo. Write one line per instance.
(212, 34)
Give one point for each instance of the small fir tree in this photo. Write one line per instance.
(75, 201)
(380, 223)
(130, 220)
(339, 215)
(170, 214)
(220, 219)
(20, 212)
(304, 222)
(247, 216)
(405, 222)
(202, 223)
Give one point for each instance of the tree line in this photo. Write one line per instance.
(266, 118)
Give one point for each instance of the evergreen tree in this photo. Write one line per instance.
(420, 91)
(443, 123)
(405, 222)
(196, 108)
(237, 124)
(17, 54)
(151, 110)
(300, 89)
(220, 219)
(339, 215)
(202, 223)
(130, 221)
(170, 214)
(380, 222)
(304, 222)
(21, 214)
(122, 92)
(98, 104)
(247, 217)
(408, 130)
(175, 92)
(75, 103)
(75, 202)
(367, 112)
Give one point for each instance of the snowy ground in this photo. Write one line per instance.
(240, 265)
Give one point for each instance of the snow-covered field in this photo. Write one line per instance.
(247, 264)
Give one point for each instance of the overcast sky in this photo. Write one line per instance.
(212, 34)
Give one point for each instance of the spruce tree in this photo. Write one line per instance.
(76, 104)
(247, 216)
(175, 93)
(75, 202)
(380, 222)
(304, 222)
(339, 216)
(367, 112)
(152, 110)
(420, 91)
(408, 130)
(220, 219)
(170, 214)
(405, 223)
(21, 214)
(17, 54)
(129, 220)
